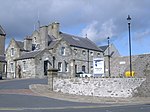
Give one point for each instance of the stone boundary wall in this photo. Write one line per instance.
(101, 87)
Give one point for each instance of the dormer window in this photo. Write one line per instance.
(12, 51)
(63, 50)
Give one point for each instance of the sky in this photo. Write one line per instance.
(98, 19)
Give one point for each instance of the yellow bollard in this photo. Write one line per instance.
(128, 74)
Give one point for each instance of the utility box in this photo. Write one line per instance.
(128, 74)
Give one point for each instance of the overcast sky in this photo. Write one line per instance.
(96, 18)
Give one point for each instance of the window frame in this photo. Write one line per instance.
(12, 52)
(11, 67)
(63, 51)
(98, 54)
(59, 66)
(92, 53)
(84, 52)
(24, 65)
(66, 67)
(83, 68)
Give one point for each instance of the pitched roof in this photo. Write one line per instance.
(27, 55)
(2, 32)
(20, 45)
(103, 47)
(79, 42)
(2, 58)
(52, 44)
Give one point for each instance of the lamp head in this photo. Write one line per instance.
(128, 18)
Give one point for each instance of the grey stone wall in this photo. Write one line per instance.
(39, 63)
(119, 65)
(67, 58)
(101, 87)
(144, 89)
(30, 71)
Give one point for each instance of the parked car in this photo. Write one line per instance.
(83, 74)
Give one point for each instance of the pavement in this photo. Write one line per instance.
(44, 90)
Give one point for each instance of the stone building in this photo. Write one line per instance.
(112, 50)
(47, 48)
(2, 52)
(113, 53)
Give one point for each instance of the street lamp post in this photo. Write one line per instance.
(108, 57)
(129, 19)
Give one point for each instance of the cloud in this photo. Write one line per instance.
(97, 32)
(96, 18)
(141, 36)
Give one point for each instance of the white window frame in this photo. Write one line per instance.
(63, 50)
(66, 67)
(76, 51)
(98, 54)
(24, 65)
(11, 67)
(60, 66)
(91, 53)
(12, 52)
(83, 52)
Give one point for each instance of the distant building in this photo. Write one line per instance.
(47, 48)
(113, 51)
(2, 52)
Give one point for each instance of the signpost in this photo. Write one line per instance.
(98, 67)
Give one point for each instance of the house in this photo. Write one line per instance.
(47, 48)
(2, 52)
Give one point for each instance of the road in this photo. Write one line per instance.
(16, 96)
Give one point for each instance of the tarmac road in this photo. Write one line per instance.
(16, 96)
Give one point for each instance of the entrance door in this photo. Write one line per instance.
(45, 67)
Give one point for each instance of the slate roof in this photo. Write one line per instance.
(79, 42)
(52, 44)
(2, 59)
(2, 32)
(103, 47)
(20, 45)
(27, 55)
